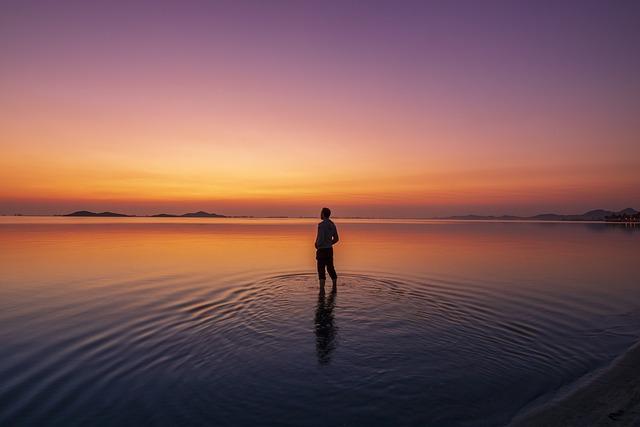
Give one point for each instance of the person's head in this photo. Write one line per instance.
(325, 213)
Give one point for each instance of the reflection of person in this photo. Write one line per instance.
(327, 237)
(325, 329)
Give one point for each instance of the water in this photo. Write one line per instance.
(220, 322)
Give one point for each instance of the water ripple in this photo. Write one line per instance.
(251, 349)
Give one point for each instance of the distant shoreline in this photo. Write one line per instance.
(168, 220)
(625, 216)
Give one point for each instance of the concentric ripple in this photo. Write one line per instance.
(377, 350)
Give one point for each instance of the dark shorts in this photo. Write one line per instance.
(325, 261)
(324, 253)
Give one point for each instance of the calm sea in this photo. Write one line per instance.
(220, 322)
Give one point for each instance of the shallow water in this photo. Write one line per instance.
(220, 322)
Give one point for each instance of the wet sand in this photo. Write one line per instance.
(611, 398)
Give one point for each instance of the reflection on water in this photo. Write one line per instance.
(325, 329)
(216, 322)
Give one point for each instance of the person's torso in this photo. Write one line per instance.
(326, 231)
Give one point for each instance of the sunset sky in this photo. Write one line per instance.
(399, 108)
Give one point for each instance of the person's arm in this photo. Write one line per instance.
(336, 238)
(318, 236)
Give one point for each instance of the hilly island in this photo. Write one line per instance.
(199, 214)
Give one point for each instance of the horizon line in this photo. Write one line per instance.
(217, 215)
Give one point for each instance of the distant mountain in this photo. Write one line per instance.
(628, 211)
(199, 214)
(101, 214)
(593, 215)
(202, 214)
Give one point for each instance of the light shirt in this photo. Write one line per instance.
(327, 234)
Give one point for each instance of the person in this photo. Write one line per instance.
(326, 238)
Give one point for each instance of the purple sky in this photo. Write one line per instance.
(266, 108)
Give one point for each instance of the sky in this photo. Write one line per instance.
(373, 108)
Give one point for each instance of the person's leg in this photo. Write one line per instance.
(332, 271)
(321, 273)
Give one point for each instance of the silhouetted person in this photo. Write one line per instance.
(325, 329)
(327, 237)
